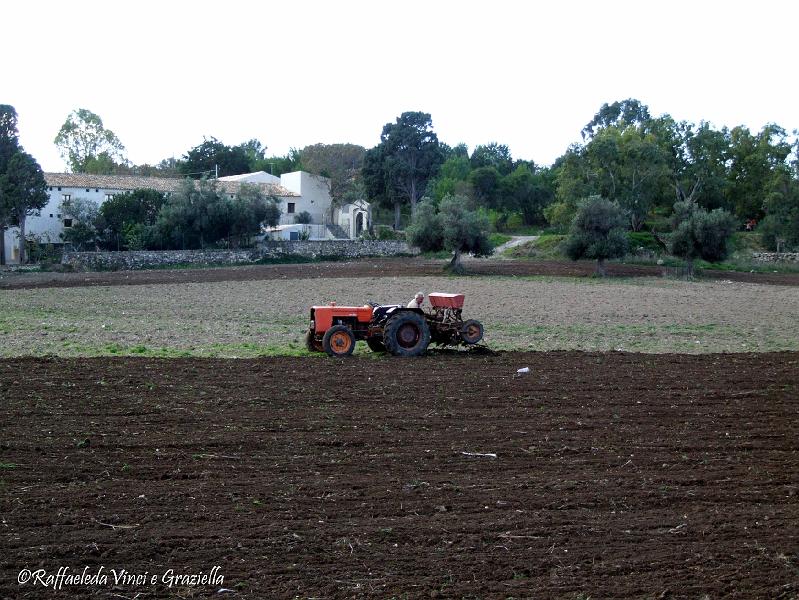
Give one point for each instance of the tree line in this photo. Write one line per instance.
(643, 164)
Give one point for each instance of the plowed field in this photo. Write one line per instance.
(594, 475)
(377, 267)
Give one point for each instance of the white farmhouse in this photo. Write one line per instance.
(296, 193)
(313, 196)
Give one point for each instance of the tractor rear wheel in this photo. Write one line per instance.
(471, 331)
(338, 341)
(310, 342)
(406, 334)
(375, 344)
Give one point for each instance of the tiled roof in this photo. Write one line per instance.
(161, 184)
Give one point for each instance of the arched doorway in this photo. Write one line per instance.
(358, 224)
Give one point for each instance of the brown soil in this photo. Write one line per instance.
(615, 475)
(388, 267)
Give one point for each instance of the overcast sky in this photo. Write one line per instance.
(164, 74)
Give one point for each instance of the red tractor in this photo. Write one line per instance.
(392, 328)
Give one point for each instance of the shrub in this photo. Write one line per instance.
(515, 221)
(779, 235)
(384, 232)
(302, 218)
(498, 220)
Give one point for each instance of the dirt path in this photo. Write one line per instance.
(594, 475)
(517, 240)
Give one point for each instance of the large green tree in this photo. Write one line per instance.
(755, 160)
(9, 135)
(485, 182)
(621, 162)
(123, 212)
(277, 165)
(212, 158)
(701, 173)
(621, 113)
(629, 167)
(87, 146)
(9, 145)
(493, 155)
(255, 152)
(780, 228)
(339, 162)
(453, 178)
(165, 168)
(397, 170)
(573, 182)
(527, 192)
(23, 190)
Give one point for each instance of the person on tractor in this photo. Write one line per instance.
(417, 301)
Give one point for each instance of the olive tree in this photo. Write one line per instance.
(451, 227)
(697, 233)
(87, 224)
(598, 231)
(199, 214)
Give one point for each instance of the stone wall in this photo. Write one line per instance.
(146, 259)
(776, 256)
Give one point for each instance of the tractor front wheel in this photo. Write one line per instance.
(471, 332)
(338, 341)
(406, 334)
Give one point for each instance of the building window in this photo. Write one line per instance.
(67, 222)
(96, 189)
(59, 215)
(51, 215)
(109, 197)
(87, 189)
(59, 188)
(65, 198)
(290, 208)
